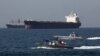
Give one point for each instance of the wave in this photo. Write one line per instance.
(93, 38)
(81, 47)
(87, 47)
(33, 48)
(43, 48)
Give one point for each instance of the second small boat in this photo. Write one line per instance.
(72, 36)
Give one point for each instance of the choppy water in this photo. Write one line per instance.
(22, 42)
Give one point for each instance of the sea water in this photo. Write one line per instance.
(22, 42)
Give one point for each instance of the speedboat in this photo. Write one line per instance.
(54, 44)
(72, 36)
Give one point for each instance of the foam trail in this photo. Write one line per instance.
(34, 48)
(43, 48)
(87, 47)
(93, 38)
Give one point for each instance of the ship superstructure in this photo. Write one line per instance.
(72, 18)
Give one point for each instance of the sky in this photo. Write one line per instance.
(50, 10)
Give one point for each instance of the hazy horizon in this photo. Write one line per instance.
(50, 10)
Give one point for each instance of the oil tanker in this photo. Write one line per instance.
(72, 21)
(15, 24)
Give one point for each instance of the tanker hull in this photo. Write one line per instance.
(14, 26)
(50, 25)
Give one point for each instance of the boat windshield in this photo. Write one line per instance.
(74, 34)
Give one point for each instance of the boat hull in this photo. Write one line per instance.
(50, 25)
(14, 26)
(51, 46)
(68, 37)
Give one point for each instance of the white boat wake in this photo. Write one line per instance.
(87, 47)
(43, 48)
(93, 38)
(81, 47)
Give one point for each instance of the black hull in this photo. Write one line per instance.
(14, 26)
(50, 25)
